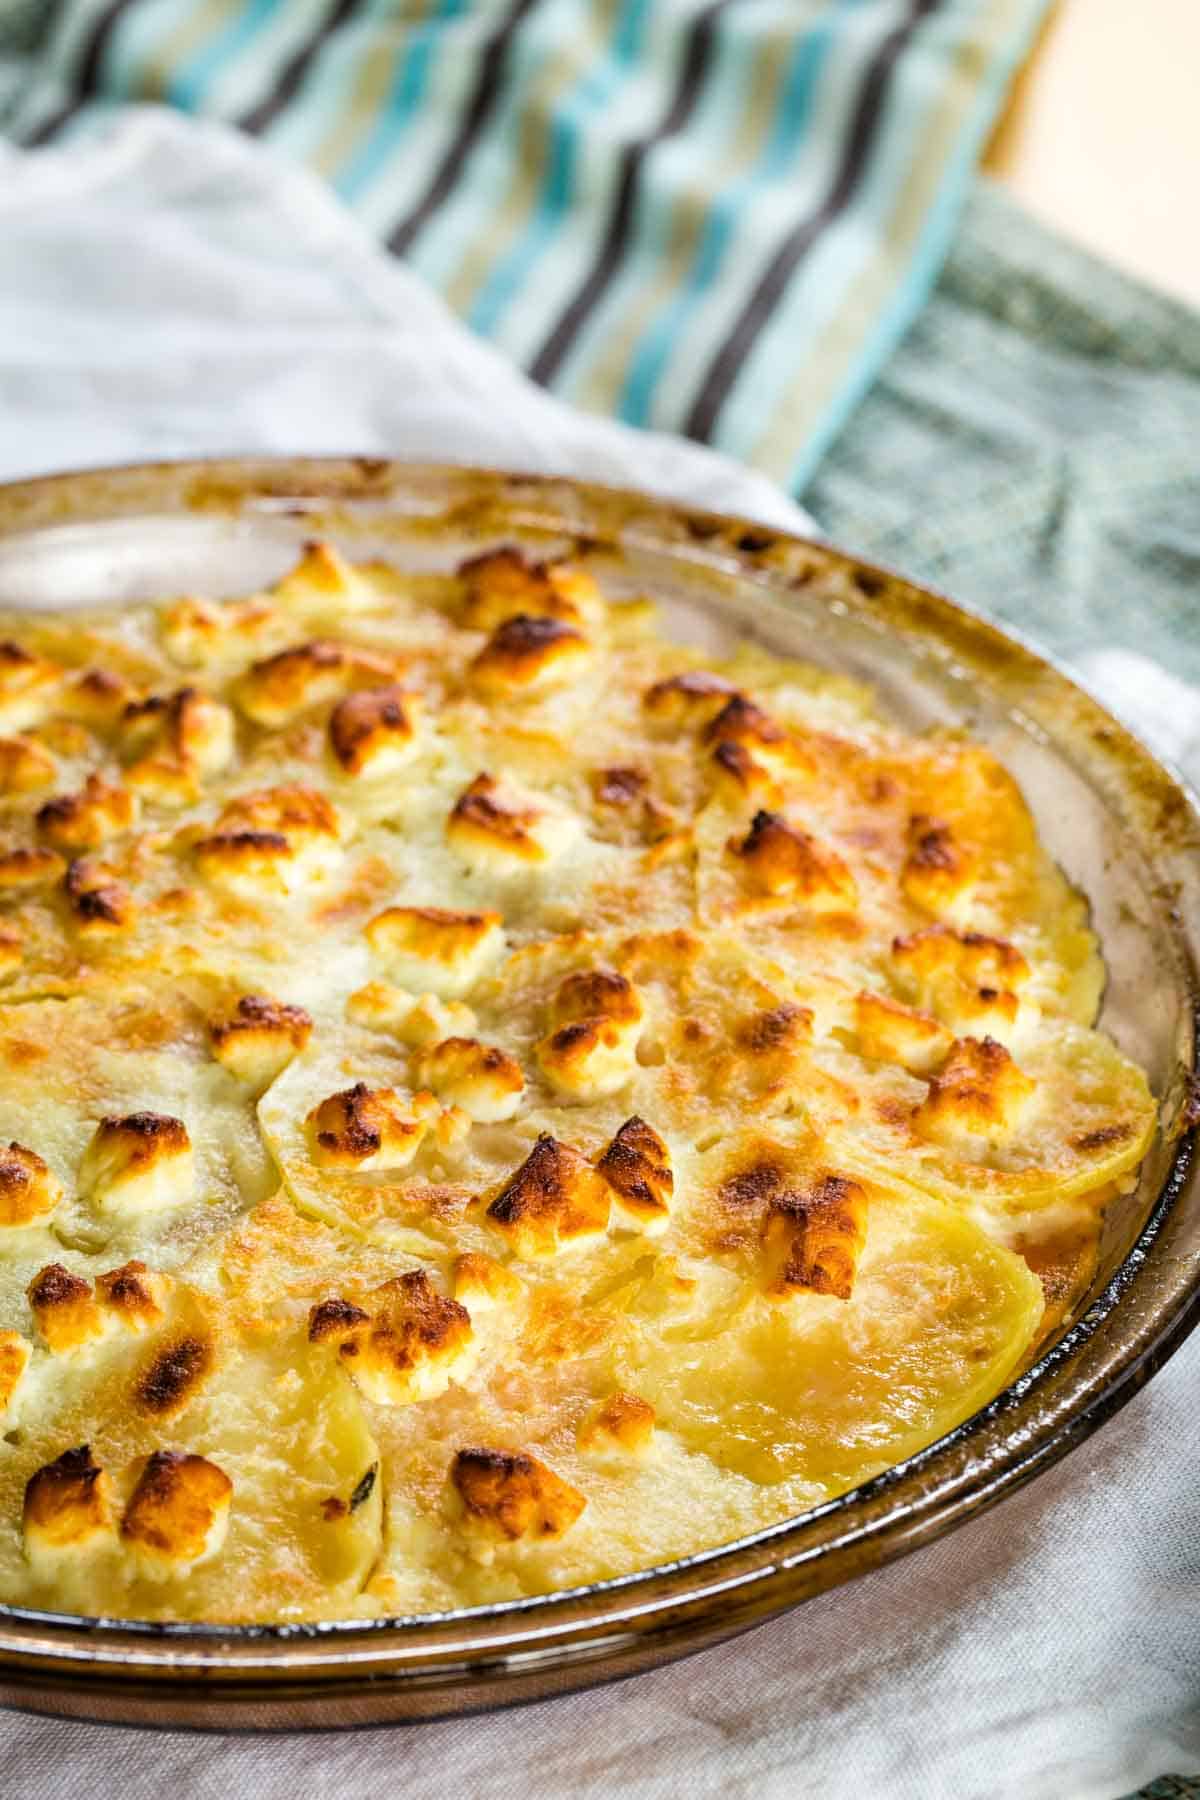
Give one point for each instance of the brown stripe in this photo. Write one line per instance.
(87, 78)
(486, 94)
(725, 366)
(549, 358)
(295, 69)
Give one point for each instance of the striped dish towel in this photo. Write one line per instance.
(713, 217)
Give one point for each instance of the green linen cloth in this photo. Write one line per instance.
(1033, 446)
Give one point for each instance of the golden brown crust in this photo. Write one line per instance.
(29, 1189)
(64, 1310)
(366, 1128)
(890, 1032)
(501, 583)
(405, 1343)
(25, 866)
(624, 1422)
(529, 653)
(280, 688)
(787, 863)
(373, 731)
(499, 824)
(25, 766)
(596, 1015)
(483, 1080)
(259, 1037)
(134, 1295)
(554, 1201)
(67, 1511)
(138, 1162)
(443, 949)
(637, 1167)
(508, 1494)
(814, 1238)
(177, 1514)
(979, 1091)
(83, 821)
(98, 904)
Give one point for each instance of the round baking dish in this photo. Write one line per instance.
(1121, 825)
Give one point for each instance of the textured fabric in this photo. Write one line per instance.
(708, 216)
(1048, 1651)
(1032, 447)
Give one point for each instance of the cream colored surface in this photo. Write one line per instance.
(1101, 137)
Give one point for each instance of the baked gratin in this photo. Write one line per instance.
(494, 1099)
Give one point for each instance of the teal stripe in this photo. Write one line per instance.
(654, 350)
(138, 33)
(188, 85)
(403, 97)
(676, 169)
(932, 248)
(558, 187)
(315, 111)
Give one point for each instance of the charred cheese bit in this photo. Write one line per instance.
(382, 1007)
(174, 1375)
(889, 1032)
(692, 699)
(28, 1187)
(15, 1352)
(484, 1081)
(972, 982)
(199, 632)
(503, 583)
(619, 787)
(813, 1240)
(99, 905)
(481, 1282)
(259, 1038)
(177, 1515)
(134, 1296)
(96, 697)
(789, 864)
(623, 1423)
(25, 867)
(178, 739)
(637, 1167)
(138, 1163)
(366, 1128)
(431, 947)
(83, 821)
(276, 841)
(979, 1092)
(508, 1494)
(406, 1345)
(749, 747)
(555, 1201)
(25, 766)
(64, 1310)
(502, 827)
(325, 577)
(592, 1051)
(939, 872)
(279, 688)
(374, 732)
(67, 1514)
(528, 654)
(28, 686)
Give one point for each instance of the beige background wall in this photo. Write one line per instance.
(1102, 134)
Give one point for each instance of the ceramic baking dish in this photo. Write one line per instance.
(1121, 825)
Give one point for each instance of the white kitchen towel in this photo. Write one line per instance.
(174, 291)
